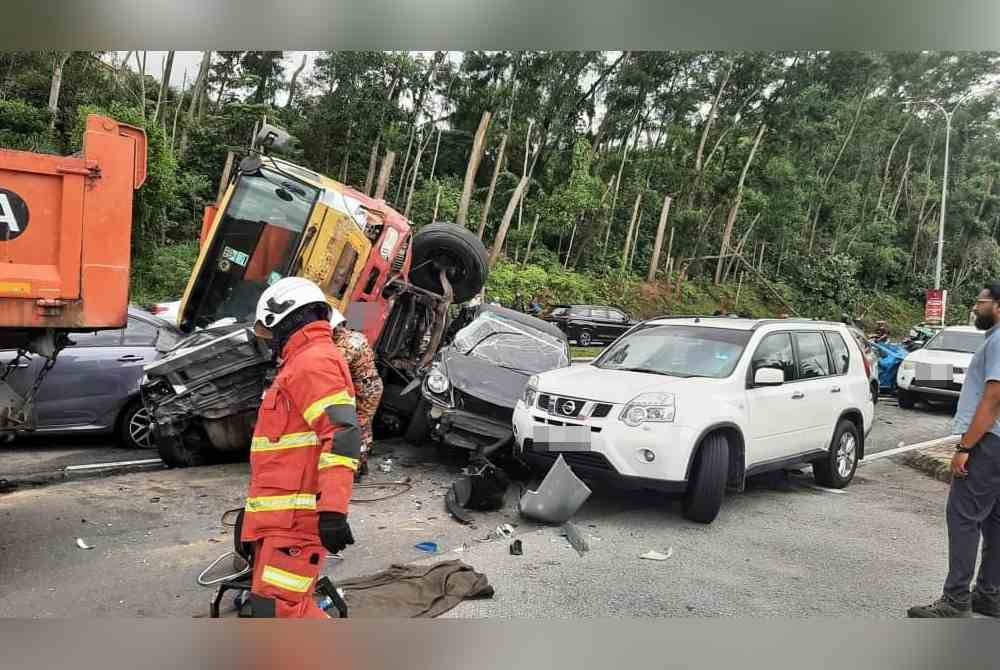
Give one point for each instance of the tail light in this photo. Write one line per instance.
(158, 309)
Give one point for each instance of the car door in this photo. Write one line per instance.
(618, 323)
(777, 426)
(599, 317)
(820, 390)
(83, 384)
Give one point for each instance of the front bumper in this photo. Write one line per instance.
(615, 449)
(466, 430)
(905, 379)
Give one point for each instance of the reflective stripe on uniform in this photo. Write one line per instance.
(330, 460)
(288, 441)
(281, 503)
(285, 580)
(315, 410)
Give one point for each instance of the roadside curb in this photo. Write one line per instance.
(11, 483)
(933, 461)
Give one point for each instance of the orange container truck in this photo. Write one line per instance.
(65, 235)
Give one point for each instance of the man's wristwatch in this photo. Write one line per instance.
(962, 450)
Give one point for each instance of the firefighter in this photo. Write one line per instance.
(303, 455)
(364, 375)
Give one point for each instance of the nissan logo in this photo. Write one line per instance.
(568, 407)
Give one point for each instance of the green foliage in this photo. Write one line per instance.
(161, 273)
(25, 127)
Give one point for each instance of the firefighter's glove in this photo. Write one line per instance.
(334, 531)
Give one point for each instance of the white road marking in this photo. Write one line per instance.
(950, 439)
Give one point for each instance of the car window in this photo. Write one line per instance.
(955, 340)
(617, 316)
(139, 333)
(775, 351)
(102, 338)
(580, 312)
(813, 360)
(841, 354)
(599, 313)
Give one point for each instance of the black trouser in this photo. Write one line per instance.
(974, 510)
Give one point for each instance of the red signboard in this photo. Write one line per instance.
(934, 308)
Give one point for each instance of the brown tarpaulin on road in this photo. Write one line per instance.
(412, 591)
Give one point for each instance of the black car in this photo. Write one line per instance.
(590, 324)
(469, 393)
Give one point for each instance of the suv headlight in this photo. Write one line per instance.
(531, 391)
(437, 382)
(649, 408)
(907, 365)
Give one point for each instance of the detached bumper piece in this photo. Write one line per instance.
(465, 430)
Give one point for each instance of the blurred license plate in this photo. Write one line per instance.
(562, 438)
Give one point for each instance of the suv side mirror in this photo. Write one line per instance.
(769, 377)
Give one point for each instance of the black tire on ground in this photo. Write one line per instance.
(837, 469)
(418, 430)
(448, 246)
(707, 486)
(176, 453)
(134, 429)
(906, 399)
(874, 387)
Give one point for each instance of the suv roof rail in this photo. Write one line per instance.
(818, 322)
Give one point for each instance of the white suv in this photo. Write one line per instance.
(693, 404)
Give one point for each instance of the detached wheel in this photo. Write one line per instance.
(707, 487)
(585, 338)
(135, 426)
(837, 470)
(906, 399)
(176, 453)
(457, 250)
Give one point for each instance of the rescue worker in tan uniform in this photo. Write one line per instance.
(303, 455)
(360, 359)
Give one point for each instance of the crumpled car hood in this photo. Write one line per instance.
(482, 379)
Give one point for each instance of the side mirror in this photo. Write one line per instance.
(769, 377)
(272, 138)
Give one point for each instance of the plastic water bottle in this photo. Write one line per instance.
(386, 465)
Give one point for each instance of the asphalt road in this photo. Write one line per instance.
(783, 548)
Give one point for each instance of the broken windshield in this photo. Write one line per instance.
(511, 345)
(256, 242)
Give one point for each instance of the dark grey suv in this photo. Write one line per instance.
(587, 325)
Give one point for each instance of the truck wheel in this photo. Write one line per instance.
(453, 248)
(906, 399)
(176, 453)
(707, 487)
(418, 430)
(836, 470)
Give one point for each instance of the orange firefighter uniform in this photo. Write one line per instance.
(303, 458)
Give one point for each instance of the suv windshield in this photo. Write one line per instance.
(677, 351)
(254, 246)
(511, 345)
(955, 340)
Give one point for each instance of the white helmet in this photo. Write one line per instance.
(284, 297)
(336, 318)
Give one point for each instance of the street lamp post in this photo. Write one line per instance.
(944, 179)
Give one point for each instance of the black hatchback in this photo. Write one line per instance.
(586, 325)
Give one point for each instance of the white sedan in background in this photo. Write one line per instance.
(937, 371)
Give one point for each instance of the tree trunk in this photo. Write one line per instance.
(631, 227)
(199, 85)
(416, 173)
(705, 131)
(614, 201)
(294, 81)
(888, 165)
(654, 262)
(406, 164)
(383, 177)
(986, 197)
(437, 147)
(347, 155)
(473, 168)
(524, 171)
(372, 162)
(168, 66)
(739, 247)
(437, 201)
(836, 161)
(635, 243)
(734, 211)
(142, 83)
(902, 180)
(56, 87)
(531, 238)
(569, 250)
(493, 184)
(177, 110)
(507, 216)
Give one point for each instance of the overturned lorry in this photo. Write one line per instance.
(277, 219)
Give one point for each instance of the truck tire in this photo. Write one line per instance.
(176, 453)
(707, 487)
(456, 249)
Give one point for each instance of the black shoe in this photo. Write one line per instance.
(943, 608)
(986, 605)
